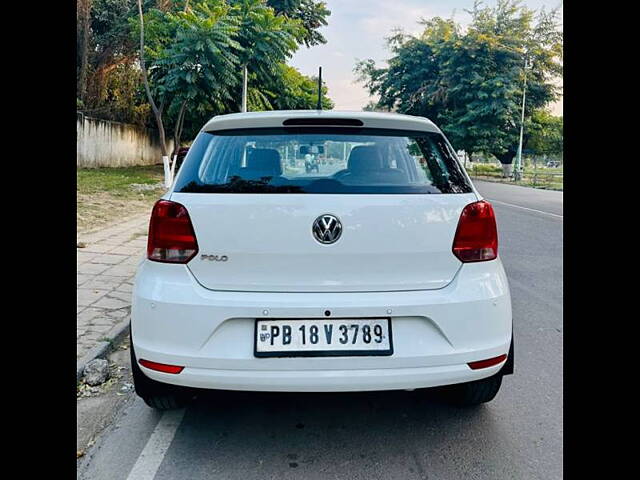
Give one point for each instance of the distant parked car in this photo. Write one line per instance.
(553, 164)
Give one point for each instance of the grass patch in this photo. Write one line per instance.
(117, 181)
(108, 194)
(544, 178)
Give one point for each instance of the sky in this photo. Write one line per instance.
(357, 29)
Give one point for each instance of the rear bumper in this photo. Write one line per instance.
(436, 333)
(323, 380)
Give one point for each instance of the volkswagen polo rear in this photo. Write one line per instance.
(379, 271)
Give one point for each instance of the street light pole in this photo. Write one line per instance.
(518, 170)
(244, 89)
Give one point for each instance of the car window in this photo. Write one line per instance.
(329, 160)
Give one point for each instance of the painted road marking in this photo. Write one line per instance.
(154, 451)
(525, 208)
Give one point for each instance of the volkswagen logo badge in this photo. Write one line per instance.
(327, 229)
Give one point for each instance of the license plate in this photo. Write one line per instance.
(323, 337)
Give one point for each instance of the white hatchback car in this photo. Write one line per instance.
(377, 271)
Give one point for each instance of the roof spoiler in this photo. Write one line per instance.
(312, 122)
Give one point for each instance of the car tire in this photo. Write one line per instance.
(157, 395)
(166, 402)
(473, 393)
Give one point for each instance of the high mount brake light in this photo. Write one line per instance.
(171, 235)
(476, 237)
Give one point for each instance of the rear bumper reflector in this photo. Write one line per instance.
(160, 367)
(489, 362)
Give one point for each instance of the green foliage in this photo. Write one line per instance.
(110, 26)
(194, 57)
(313, 15)
(486, 169)
(198, 55)
(265, 38)
(470, 82)
(370, 107)
(122, 94)
(110, 54)
(199, 63)
(544, 178)
(290, 90)
(116, 180)
(546, 137)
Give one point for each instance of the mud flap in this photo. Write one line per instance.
(507, 368)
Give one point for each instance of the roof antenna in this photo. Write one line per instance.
(319, 107)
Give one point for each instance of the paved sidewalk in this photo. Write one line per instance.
(105, 270)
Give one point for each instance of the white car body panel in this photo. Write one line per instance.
(394, 260)
(275, 119)
(436, 332)
(275, 250)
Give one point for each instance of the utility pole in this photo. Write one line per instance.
(319, 106)
(518, 170)
(244, 89)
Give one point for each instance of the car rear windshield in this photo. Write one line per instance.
(321, 160)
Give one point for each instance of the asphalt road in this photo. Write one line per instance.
(386, 435)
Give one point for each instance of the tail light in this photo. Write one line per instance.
(160, 367)
(476, 238)
(489, 362)
(171, 235)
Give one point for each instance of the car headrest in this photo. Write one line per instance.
(266, 161)
(364, 157)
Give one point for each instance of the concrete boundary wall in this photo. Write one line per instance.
(102, 143)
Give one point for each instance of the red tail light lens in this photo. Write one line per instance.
(171, 235)
(489, 362)
(160, 367)
(476, 238)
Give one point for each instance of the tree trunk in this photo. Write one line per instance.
(177, 134)
(506, 159)
(84, 19)
(156, 113)
(507, 170)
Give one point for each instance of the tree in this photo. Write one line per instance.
(83, 20)
(470, 82)
(313, 15)
(265, 40)
(546, 134)
(193, 60)
(172, 64)
(412, 81)
(112, 59)
(107, 56)
(499, 40)
(198, 67)
(290, 90)
(157, 112)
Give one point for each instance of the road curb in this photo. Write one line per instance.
(102, 349)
